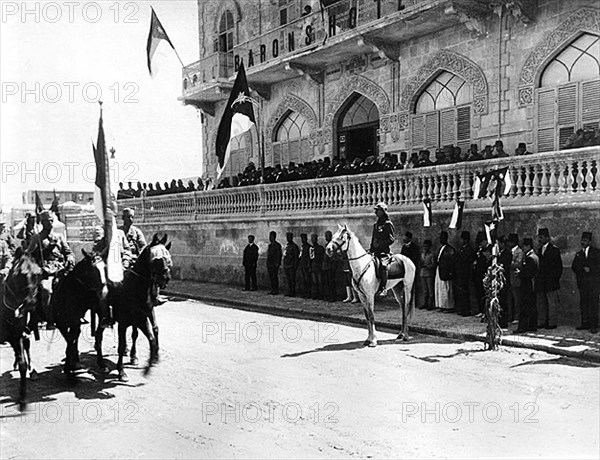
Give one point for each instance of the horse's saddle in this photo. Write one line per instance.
(395, 267)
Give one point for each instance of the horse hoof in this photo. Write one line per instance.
(22, 406)
(147, 370)
(366, 343)
(123, 377)
(373, 344)
(133, 361)
(33, 375)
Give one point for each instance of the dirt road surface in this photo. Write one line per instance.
(236, 384)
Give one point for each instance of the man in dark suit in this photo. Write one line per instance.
(381, 240)
(482, 261)
(304, 266)
(291, 258)
(329, 269)
(586, 266)
(527, 273)
(249, 263)
(504, 260)
(317, 254)
(274, 262)
(547, 282)
(444, 297)
(463, 267)
(410, 249)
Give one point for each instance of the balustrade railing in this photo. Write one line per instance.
(546, 177)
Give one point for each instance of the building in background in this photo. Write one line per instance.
(47, 196)
(370, 77)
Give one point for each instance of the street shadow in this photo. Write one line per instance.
(561, 360)
(349, 346)
(437, 358)
(89, 385)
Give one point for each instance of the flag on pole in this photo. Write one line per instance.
(39, 207)
(496, 182)
(54, 206)
(427, 212)
(105, 207)
(156, 34)
(456, 220)
(237, 118)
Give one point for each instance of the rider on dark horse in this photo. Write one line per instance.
(383, 237)
(54, 256)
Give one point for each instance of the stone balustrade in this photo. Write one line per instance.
(556, 178)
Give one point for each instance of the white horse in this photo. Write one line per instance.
(365, 282)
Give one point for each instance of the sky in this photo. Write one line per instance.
(58, 58)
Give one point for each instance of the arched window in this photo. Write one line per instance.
(240, 154)
(569, 93)
(291, 139)
(360, 112)
(358, 128)
(443, 113)
(224, 41)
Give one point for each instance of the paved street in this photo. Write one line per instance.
(235, 384)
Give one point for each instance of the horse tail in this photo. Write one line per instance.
(409, 283)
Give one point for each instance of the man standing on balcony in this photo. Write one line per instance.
(290, 264)
(274, 262)
(547, 282)
(249, 262)
(586, 266)
(381, 240)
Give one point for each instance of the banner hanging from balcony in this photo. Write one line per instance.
(493, 184)
(156, 34)
(237, 118)
(457, 214)
(426, 212)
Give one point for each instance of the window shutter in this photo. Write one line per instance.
(418, 132)
(432, 135)
(546, 120)
(590, 101)
(448, 127)
(463, 130)
(566, 113)
(295, 151)
(276, 154)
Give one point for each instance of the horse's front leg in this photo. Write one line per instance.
(133, 354)
(369, 306)
(146, 328)
(154, 325)
(98, 347)
(23, 346)
(121, 347)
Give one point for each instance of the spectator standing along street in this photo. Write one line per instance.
(465, 255)
(329, 269)
(444, 297)
(514, 293)
(527, 273)
(274, 262)
(547, 282)
(427, 274)
(291, 259)
(586, 266)
(250, 262)
(304, 266)
(317, 253)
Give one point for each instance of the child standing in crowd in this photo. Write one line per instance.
(427, 274)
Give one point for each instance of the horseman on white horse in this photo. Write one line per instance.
(381, 240)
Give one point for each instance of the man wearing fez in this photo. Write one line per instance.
(290, 264)
(528, 271)
(249, 262)
(586, 266)
(274, 262)
(547, 283)
(514, 293)
(465, 256)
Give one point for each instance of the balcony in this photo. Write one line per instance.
(566, 178)
(346, 29)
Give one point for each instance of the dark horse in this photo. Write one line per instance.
(132, 303)
(81, 289)
(18, 300)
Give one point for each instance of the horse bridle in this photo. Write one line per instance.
(339, 247)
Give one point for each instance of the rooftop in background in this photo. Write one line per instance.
(47, 196)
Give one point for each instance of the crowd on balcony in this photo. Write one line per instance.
(341, 167)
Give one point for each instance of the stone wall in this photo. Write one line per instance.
(212, 251)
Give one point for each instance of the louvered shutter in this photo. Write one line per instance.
(448, 127)
(463, 127)
(590, 102)
(546, 120)
(566, 113)
(418, 132)
(432, 135)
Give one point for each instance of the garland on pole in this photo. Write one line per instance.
(493, 282)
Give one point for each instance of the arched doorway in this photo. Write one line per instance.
(357, 129)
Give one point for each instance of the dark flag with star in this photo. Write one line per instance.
(493, 185)
(238, 117)
(157, 33)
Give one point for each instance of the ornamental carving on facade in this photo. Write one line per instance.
(343, 89)
(454, 63)
(295, 104)
(586, 19)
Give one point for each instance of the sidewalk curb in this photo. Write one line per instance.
(586, 355)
